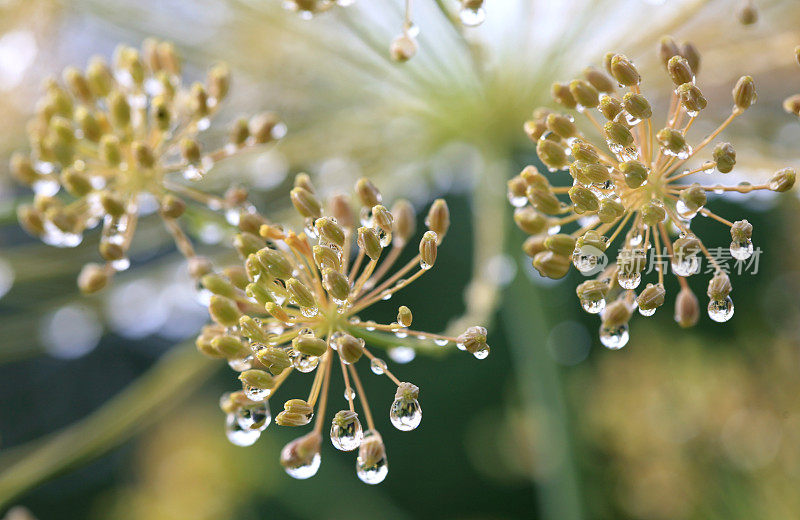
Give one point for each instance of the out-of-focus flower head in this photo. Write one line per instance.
(633, 173)
(293, 307)
(108, 139)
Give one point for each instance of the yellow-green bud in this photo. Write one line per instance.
(687, 308)
(544, 200)
(725, 157)
(112, 204)
(671, 139)
(275, 359)
(585, 152)
(599, 80)
(367, 192)
(336, 284)
(224, 311)
(76, 182)
(262, 127)
(551, 265)
(741, 231)
(561, 125)
(330, 231)
(275, 263)
(610, 107)
(592, 290)
(679, 70)
(616, 314)
(653, 212)
(301, 294)
(529, 220)
(693, 197)
(691, 97)
(143, 155)
(326, 258)
(624, 71)
(230, 347)
(88, 124)
(667, 49)
(219, 81)
(560, 244)
(257, 379)
(618, 133)
(595, 173)
(258, 293)
(190, 151)
(383, 218)
(110, 150)
(350, 348)
(172, 206)
(93, 278)
(309, 345)
(119, 109)
(218, 285)
(551, 154)
(404, 316)
(438, 219)
(610, 210)
(637, 105)
(239, 132)
(719, 287)
(369, 242)
(651, 297)
(428, 250)
(744, 93)
(583, 199)
(635, 173)
(473, 339)
(405, 221)
(584, 93)
(783, 180)
(99, 77)
(533, 245)
(562, 95)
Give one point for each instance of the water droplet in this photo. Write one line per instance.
(303, 362)
(402, 354)
(378, 366)
(686, 266)
(587, 259)
(46, 187)
(122, 264)
(256, 394)
(742, 250)
(237, 435)
(720, 310)
(472, 17)
(372, 474)
(400, 334)
(629, 280)
(254, 417)
(517, 201)
(648, 312)
(593, 306)
(192, 173)
(347, 437)
(309, 312)
(349, 394)
(461, 346)
(441, 341)
(482, 353)
(387, 295)
(305, 471)
(241, 364)
(425, 265)
(405, 414)
(614, 338)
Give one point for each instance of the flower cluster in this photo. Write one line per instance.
(293, 307)
(404, 46)
(632, 176)
(113, 136)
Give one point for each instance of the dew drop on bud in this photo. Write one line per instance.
(347, 436)
(629, 280)
(378, 366)
(237, 435)
(303, 362)
(472, 17)
(720, 310)
(405, 414)
(593, 306)
(304, 471)
(614, 338)
(255, 417)
(482, 353)
(742, 250)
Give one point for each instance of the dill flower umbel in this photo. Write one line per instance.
(293, 307)
(633, 175)
(112, 136)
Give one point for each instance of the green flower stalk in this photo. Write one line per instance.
(293, 308)
(109, 138)
(627, 189)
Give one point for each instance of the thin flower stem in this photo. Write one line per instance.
(362, 396)
(323, 403)
(347, 387)
(385, 370)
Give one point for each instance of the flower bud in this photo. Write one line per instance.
(172, 206)
(229, 347)
(341, 210)
(719, 287)
(88, 124)
(278, 312)
(404, 316)
(405, 221)
(239, 132)
(585, 152)
(744, 93)
(691, 98)
(583, 200)
(533, 245)
(258, 293)
(382, 218)
(350, 348)
(592, 290)
(473, 339)
(685, 247)
(635, 173)
(551, 154)
(562, 95)
(653, 212)
(305, 203)
(561, 125)
(624, 71)
(438, 219)
(534, 129)
(76, 182)
(679, 70)
(199, 266)
(302, 452)
(275, 359)
(783, 180)
(403, 48)
(725, 156)
(309, 345)
(741, 231)
(93, 278)
(247, 244)
(651, 297)
(618, 133)
(302, 295)
(551, 265)
(610, 107)
(296, 412)
(748, 14)
(692, 55)
(667, 49)
(529, 220)
(584, 93)
(616, 314)
(143, 155)
(110, 150)
(263, 127)
(369, 195)
(224, 311)
(330, 231)
(326, 258)
(257, 379)
(687, 308)
(275, 263)
(336, 284)
(560, 244)
(119, 109)
(219, 81)
(637, 105)
(369, 242)
(252, 329)
(99, 77)
(599, 80)
(427, 250)
(693, 197)
(610, 210)
(190, 151)
(217, 284)
(671, 139)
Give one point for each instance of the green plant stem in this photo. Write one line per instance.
(141, 404)
(526, 325)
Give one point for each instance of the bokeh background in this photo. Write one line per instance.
(108, 412)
